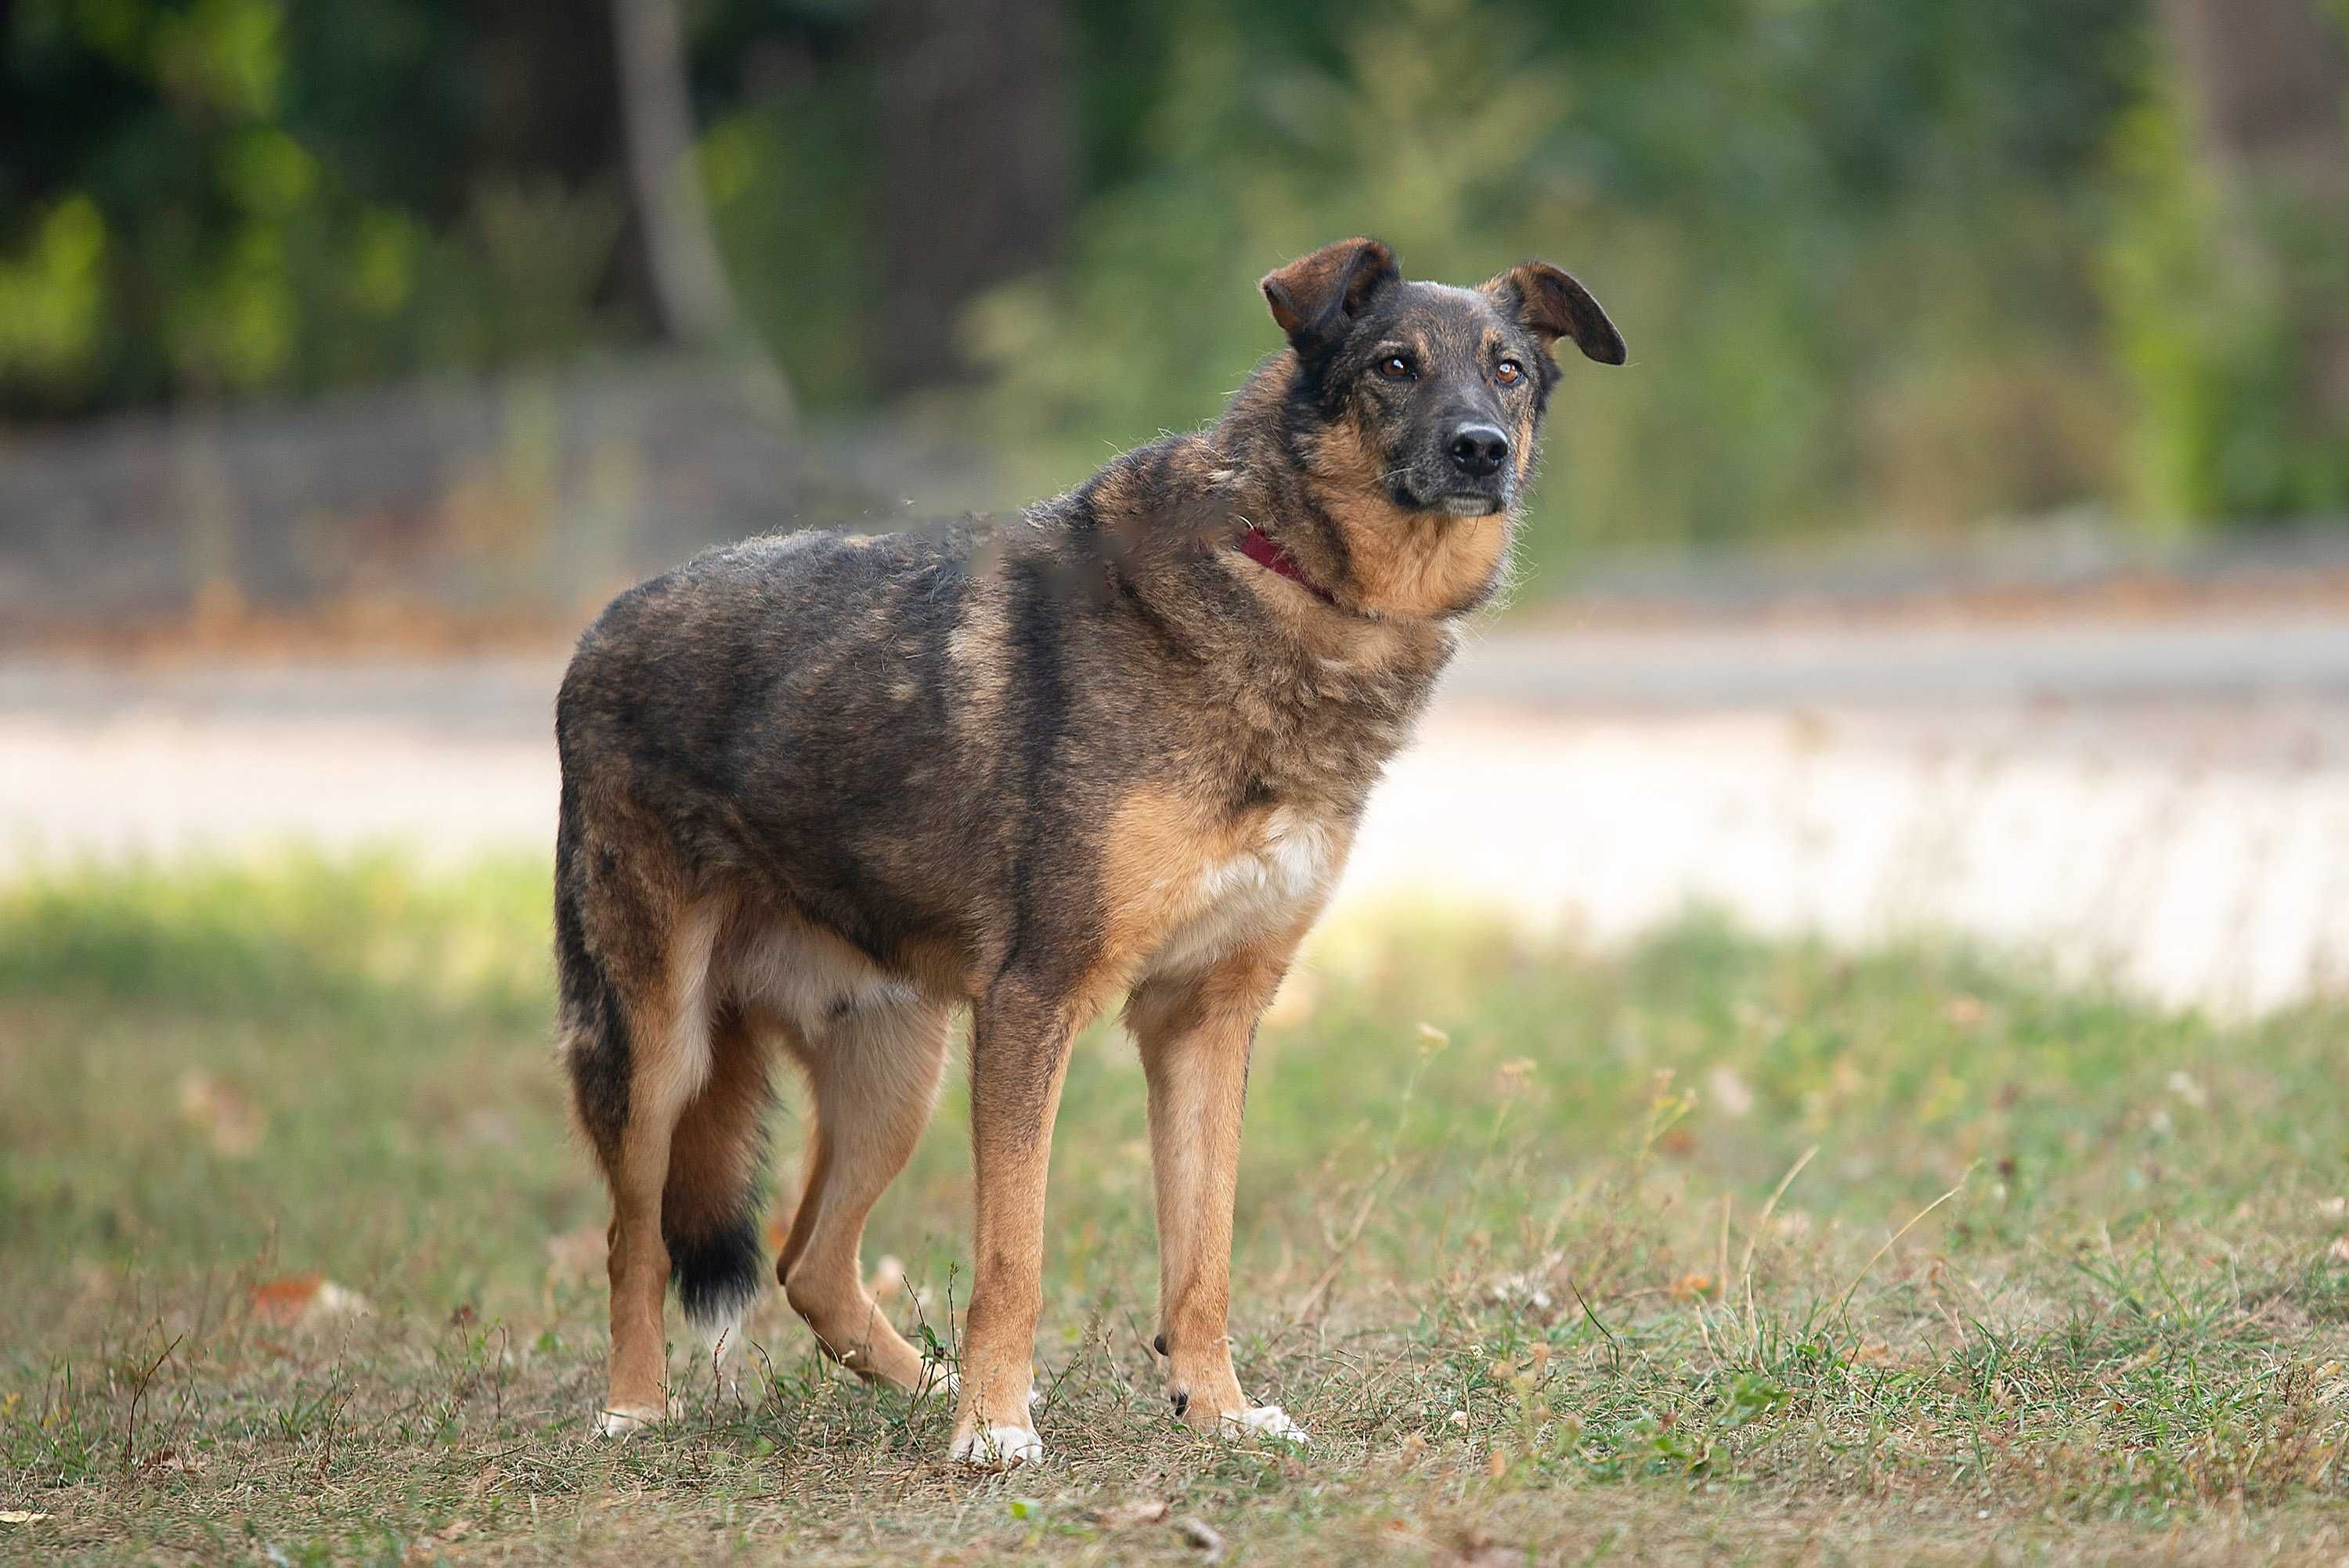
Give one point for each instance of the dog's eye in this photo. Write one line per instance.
(1508, 373)
(1396, 367)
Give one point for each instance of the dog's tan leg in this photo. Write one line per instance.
(668, 1030)
(874, 1080)
(1019, 1054)
(1194, 1034)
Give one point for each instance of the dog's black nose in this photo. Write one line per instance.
(1479, 449)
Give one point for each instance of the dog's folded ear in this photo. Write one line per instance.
(1315, 297)
(1552, 304)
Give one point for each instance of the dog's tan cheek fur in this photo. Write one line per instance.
(1524, 426)
(1406, 563)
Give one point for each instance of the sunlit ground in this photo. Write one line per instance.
(1583, 1259)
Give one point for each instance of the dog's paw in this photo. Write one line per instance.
(627, 1420)
(1265, 1421)
(999, 1447)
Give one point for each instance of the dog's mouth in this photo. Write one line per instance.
(1450, 503)
(1468, 503)
(1455, 499)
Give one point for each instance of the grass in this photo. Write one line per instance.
(1562, 1260)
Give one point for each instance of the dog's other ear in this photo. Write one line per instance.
(1552, 304)
(1315, 297)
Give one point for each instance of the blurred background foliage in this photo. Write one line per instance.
(1909, 265)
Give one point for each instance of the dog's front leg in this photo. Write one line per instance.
(1195, 1033)
(1019, 1054)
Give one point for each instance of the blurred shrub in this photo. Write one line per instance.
(2228, 299)
(789, 177)
(1847, 243)
(228, 197)
(1878, 264)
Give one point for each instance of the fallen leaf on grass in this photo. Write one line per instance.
(303, 1301)
(1198, 1533)
(423, 1548)
(171, 1461)
(224, 1117)
(1125, 1515)
(1481, 1552)
(19, 1516)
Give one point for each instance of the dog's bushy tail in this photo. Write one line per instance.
(717, 1270)
(595, 1029)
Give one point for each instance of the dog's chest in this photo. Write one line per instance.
(1254, 890)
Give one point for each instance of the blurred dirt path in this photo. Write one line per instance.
(2164, 803)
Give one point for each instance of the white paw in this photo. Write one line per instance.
(627, 1420)
(999, 1447)
(1265, 1421)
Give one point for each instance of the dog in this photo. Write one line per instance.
(821, 788)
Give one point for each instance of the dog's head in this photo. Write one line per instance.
(1417, 404)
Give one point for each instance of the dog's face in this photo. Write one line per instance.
(1428, 396)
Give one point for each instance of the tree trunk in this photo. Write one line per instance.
(972, 168)
(697, 303)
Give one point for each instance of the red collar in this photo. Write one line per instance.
(1260, 547)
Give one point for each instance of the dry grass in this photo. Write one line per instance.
(1553, 1278)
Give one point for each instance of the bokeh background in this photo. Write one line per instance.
(1962, 546)
(397, 303)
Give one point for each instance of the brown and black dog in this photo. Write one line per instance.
(819, 790)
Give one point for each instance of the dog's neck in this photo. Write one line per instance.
(1175, 521)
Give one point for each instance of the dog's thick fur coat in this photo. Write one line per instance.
(819, 790)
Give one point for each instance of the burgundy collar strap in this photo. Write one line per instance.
(1260, 547)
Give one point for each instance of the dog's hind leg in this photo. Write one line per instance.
(709, 1203)
(639, 1050)
(874, 1076)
